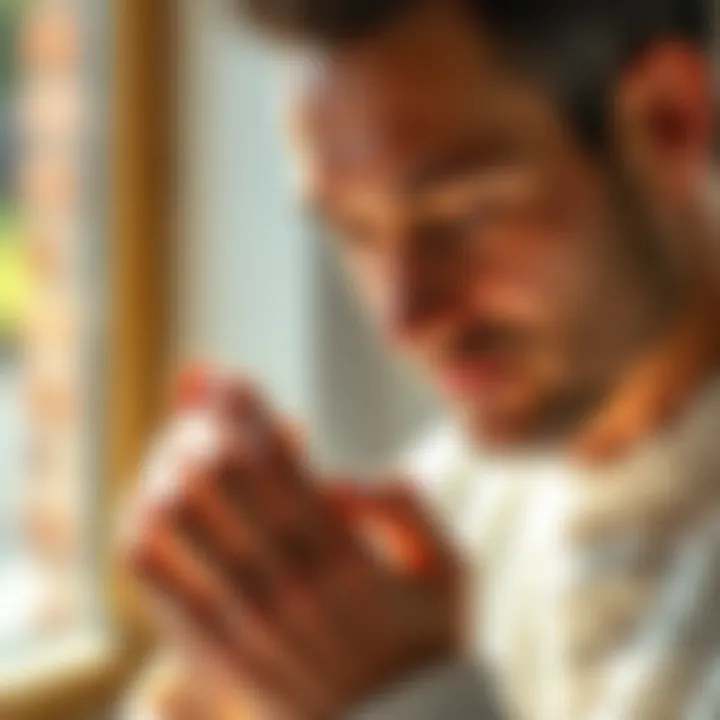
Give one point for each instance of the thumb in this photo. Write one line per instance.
(393, 521)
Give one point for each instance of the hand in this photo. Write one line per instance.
(310, 600)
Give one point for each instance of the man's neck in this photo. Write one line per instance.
(659, 385)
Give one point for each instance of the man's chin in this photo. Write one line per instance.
(503, 424)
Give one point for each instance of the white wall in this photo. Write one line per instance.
(258, 290)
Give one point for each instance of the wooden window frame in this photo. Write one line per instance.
(140, 151)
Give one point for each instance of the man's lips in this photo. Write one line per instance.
(473, 375)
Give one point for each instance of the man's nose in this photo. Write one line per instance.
(418, 299)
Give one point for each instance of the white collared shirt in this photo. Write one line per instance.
(597, 590)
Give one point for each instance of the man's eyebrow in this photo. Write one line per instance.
(457, 166)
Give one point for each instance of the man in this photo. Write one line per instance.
(522, 193)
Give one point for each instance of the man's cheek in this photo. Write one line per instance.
(523, 294)
(523, 265)
(557, 283)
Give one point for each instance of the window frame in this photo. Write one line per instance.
(140, 147)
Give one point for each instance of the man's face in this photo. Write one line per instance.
(479, 235)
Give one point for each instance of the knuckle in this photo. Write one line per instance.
(233, 396)
(143, 532)
(239, 389)
(138, 552)
(183, 460)
(224, 475)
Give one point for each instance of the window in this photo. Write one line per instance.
(50, 253)
(85, 100)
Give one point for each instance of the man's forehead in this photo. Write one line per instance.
(395, 143)
(377, 104)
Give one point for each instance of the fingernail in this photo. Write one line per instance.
(192, 388)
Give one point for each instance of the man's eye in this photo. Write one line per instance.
(440, 237)
(453, 229)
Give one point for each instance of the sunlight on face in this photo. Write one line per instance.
(479, 235)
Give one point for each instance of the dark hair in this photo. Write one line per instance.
(576, 46)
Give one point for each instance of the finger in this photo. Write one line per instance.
(198, 463)
(169, 564)
(429, 580)
(238, 403)
(223, 617)
(253, 688)
(285, 618)
(203, 523)
(193, 387)
(328, 577)
(298, 533)
(209, 521)
(308, 551)
(294, 436)
(162, 564)
(220, 522)
(361, 583)
(396, 524)
(186, 477)
(300, 564)
(276, 487)
(250, 422)
(201, 386)
(296, 539)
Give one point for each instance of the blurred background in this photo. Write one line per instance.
(147, 221)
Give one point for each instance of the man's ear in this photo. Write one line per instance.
(665, 121)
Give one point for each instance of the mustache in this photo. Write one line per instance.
(485, 340)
